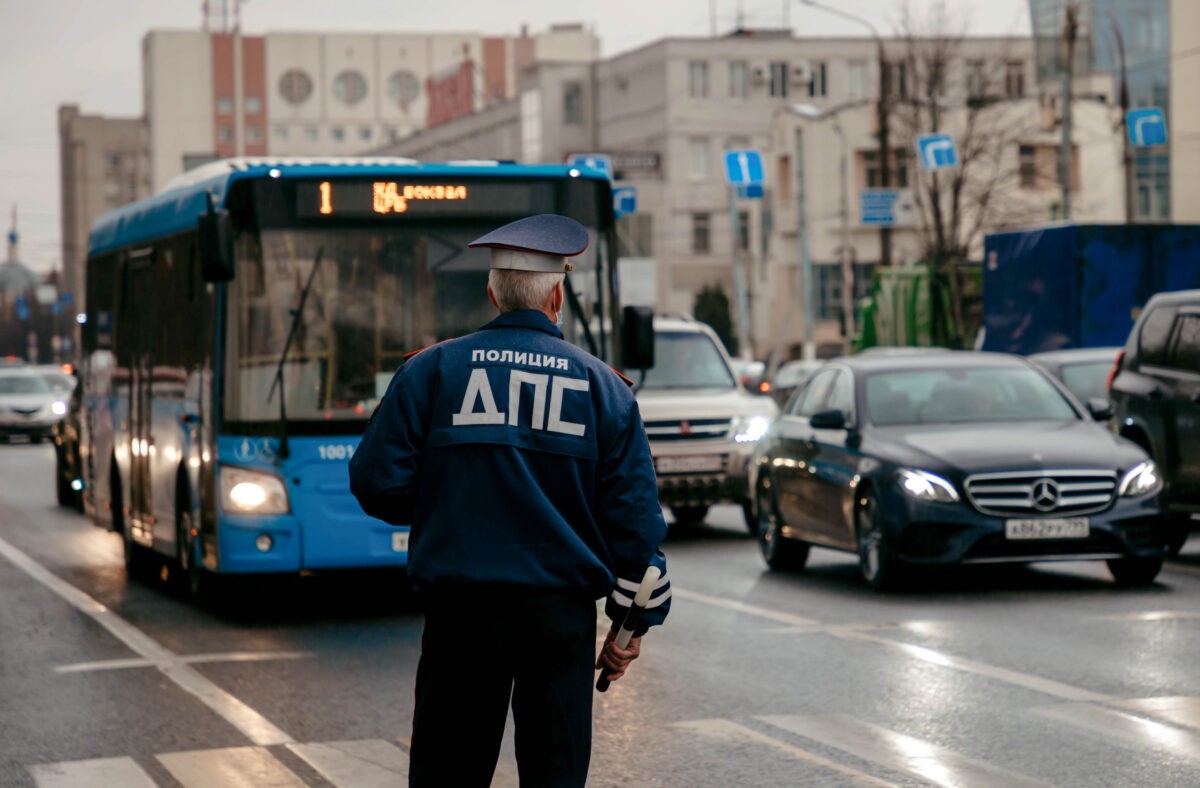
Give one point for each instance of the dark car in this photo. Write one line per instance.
(952, 458)
(789, 377)
(1156, 401)
(1084, 370)
(68, 468)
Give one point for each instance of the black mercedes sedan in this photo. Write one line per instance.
(952, 458)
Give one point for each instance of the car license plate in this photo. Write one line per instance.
(1061, 528)
(400, 542)
(692, 463)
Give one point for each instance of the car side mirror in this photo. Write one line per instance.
(1101, 409)
(216, 245)
(637, 337)
(828, 420)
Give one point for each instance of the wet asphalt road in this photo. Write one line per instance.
(1026, 676)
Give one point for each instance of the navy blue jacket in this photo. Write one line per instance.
(517, 459)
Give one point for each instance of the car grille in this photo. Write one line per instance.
(1041, 493)
(687, 429)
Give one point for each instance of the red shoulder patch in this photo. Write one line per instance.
(628, 382)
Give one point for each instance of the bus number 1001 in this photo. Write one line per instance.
(335, 451)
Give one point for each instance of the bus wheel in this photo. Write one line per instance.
(136, 558)
(201, 584)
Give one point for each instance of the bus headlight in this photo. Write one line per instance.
(1142, 479)
(750, 429)
(252, 492)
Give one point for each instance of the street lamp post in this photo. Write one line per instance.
(882, 109)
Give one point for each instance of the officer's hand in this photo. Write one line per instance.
(615, 658)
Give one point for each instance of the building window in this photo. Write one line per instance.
(857, 78)
(698, 79)
(700, 233)
(224, 105)
(312, 133)
(350, 87)
(897, 75)
(253, 105)
(225, 134)
(699, 158)
(635, 235)
(779, 78)
(897, 175)
(739, 79)
(280, 133)
(830, 280)
(403, 89)
(365, 133)
(976, 79)
(573, 103)
(1014, 79)
(1027, 166)
(816, 80)
(391, 133)
(337, 133)
(254, 134)
(295, 86)
(743, 240)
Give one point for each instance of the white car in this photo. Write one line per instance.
(702, 424)
(28, 405)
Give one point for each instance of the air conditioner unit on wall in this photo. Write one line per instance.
(801, 73)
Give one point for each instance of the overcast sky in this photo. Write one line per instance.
(87, 52)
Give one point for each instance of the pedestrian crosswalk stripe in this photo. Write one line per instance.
(95, 773)
(1128, 729)
(367, 764)
(898, 752)
(1181, 711)
(232, 767)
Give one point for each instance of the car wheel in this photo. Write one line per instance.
(780, 554)
(1135, 571)
(1178, 530)
(687, 516)
(750, 517)
(879, 570)
(62, 484)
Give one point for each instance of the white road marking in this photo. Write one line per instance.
(189, 659)
(1180, 711)
(372, 763)
(728, 730)
(253, 725)
(1153, 615)
(898, 752)
(851, 632)
(232, 767)
(95, 773)
(1128, 729)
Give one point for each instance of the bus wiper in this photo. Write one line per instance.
(297, 314)
(577, 308)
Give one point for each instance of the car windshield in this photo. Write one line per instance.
(952, 395)
(686, 360)
(23, 384)
(1087, 381)
(59, 381)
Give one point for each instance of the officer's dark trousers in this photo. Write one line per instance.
(483, 646)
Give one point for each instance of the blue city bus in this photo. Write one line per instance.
(242, 325)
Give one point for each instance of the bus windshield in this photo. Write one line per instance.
(377, 294)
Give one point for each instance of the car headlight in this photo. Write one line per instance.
(750, 429)
(1141, 479)
(252, 492)
(59, 408)
(925, 486)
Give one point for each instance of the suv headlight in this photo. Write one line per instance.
(252, 492)
(1141, 479)
(750, 429)
(926, 486)
(58, 408)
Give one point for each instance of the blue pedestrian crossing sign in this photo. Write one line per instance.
(624, 200)
(936, 151)
(743, 167)
(592, 161)
(1146, 127)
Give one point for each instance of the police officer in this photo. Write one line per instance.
(522, 466)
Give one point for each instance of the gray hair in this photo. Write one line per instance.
(515, 290)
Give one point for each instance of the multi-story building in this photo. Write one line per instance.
(103, 165)
(211, 95)
(1131, 40)
(1185, 111)
(667, 112)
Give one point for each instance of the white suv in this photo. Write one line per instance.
(701, 423)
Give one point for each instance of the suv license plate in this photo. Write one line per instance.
(692, 463)
(1063, 528)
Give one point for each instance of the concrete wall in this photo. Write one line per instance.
(1185, 111)
(177, 82)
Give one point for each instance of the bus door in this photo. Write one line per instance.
(138, 340)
